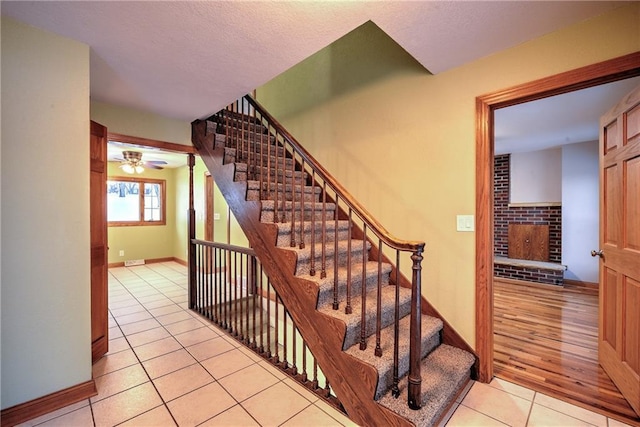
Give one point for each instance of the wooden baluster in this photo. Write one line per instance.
(225, 281)
(196, 283)
(240, 299)
(304, 361)
(269, 319)
(285, 314)
(233, 312)
(327, 387)
(276, 358)
(312, 270)
(250, 135)
(303, 181)
(275, 172)
(216, 288)
(251, 284)
(415, 346)
(205, 277)
(315, 374)
(323, 271)
(378, 351)
(261, 299)
(209, 250)
(336, 261)
(363, 312)
(294, 360)
(293, 197)
(348, 309)
(261, 195)
(395, 391)
(245, 284)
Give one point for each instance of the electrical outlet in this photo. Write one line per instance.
(121, 253)
(216, 216)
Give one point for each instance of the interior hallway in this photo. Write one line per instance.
(168, 366)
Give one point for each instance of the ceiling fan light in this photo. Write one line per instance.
(139, 169)
(128, 168)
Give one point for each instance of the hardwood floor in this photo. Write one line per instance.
(546, 338)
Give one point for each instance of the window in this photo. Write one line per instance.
(135, 201)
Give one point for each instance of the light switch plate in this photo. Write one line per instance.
(465, 223)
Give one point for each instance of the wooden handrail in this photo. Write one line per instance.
(358, 209)
(225, 246)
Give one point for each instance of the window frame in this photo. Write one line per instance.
(142, 181)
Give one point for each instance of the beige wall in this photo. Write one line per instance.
(46, 320)
(149, 241)
(403, 140)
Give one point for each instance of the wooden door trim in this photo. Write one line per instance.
(592, 75)
(144, 142)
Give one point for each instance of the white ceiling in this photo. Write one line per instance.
(188, 59)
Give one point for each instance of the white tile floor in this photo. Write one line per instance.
(167, 366)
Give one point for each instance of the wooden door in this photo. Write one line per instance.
(98, 211)
(619, 325)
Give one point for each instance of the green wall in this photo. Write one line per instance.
(45, 313)
(149, 241)
(403, 141)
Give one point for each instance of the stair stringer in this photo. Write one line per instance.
(353, 381)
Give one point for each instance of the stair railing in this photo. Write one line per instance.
(231, 290)
(264, 145)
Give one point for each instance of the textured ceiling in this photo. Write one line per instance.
(187, 59)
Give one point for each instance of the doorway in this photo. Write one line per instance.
(606, 72)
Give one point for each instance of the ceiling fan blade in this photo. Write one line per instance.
(150, 166)
(156, 162)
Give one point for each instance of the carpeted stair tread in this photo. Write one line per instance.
(325, 285)
(271, 191)
(303, 265)
(311, 229)
(288, 205)
(443, 372)
(288, 173)
(353, 320)
(430, 328)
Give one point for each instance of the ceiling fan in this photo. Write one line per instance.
(133, 163)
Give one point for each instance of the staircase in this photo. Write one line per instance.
(389, 356)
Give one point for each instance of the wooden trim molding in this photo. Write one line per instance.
(581, 78)
(43, 405)
(144, 142)
(151, 261)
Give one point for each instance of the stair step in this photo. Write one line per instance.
(237, 123)
(325, 294)
(303, 266)
(353, 320)
(271, 175)
(430, 329)
(314, 209)
(311, 229)
(231, 154)
(310, 194)
(444, 372)
(256, 138)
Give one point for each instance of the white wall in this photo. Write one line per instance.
(46, 323)
(580, 204)
(536, 176)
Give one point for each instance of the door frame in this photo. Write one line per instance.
(615, 69)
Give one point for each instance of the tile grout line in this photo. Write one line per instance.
(143, 368)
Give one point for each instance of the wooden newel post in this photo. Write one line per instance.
(191, 254)
(415, 332)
